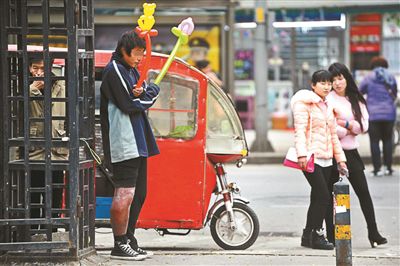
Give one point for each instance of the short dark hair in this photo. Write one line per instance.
(128, 41)
(379, 61)
(37, 60)
(320, 76)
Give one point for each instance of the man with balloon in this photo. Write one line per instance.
(127, 136)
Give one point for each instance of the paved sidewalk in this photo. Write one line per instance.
(273, 247)
(198, 248)
(281, 140)
(280, 199)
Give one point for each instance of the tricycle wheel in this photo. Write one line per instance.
(246, 232)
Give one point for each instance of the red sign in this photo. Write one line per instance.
(370, 17)
(366, 38)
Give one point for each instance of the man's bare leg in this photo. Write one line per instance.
(120, 207)
(120, 210)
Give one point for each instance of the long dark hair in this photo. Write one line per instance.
(352, 92)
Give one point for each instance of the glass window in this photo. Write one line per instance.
(218, 122)
(174, 113)
(224, 131)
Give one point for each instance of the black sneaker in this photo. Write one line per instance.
(140, 251)
(123, 251)
(318, 240)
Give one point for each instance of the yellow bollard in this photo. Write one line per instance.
(342, 223)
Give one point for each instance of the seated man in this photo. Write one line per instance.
(36, 88)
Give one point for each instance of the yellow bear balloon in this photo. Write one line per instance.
(147, 20)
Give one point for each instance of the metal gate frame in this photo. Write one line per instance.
(77, 218)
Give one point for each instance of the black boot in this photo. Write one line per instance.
(318, 240)
(374, 237)
(306, 238)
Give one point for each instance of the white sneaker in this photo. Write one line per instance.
(377, 174)
(388, 172)
(146, 253)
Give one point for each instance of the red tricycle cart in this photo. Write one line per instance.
(197, 130)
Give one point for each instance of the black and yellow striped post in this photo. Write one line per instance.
(342, 223)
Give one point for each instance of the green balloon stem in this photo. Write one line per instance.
(169, 62)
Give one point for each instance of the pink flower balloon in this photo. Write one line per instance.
(186, 26)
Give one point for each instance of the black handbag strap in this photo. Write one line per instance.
(389, 90)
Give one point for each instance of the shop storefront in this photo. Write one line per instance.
(373, 34)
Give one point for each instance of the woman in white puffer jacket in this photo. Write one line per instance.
(311, 112)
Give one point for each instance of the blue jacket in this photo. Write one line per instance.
(381, 90)
(126, 131)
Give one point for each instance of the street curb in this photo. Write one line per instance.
(273, 158)
(104, 251)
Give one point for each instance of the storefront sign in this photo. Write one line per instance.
(367, 37)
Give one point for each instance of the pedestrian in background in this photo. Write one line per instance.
(310, 107)
(381, 90)
(127, 141)
(351, 114)
(205, 67)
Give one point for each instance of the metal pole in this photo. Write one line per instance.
(72, 85)
(261, 142)
(23, 76)
(229, 77)
(342, 223)
(3, 85)
(293, 60)
(347, 55)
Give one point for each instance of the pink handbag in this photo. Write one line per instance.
(291, 160)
